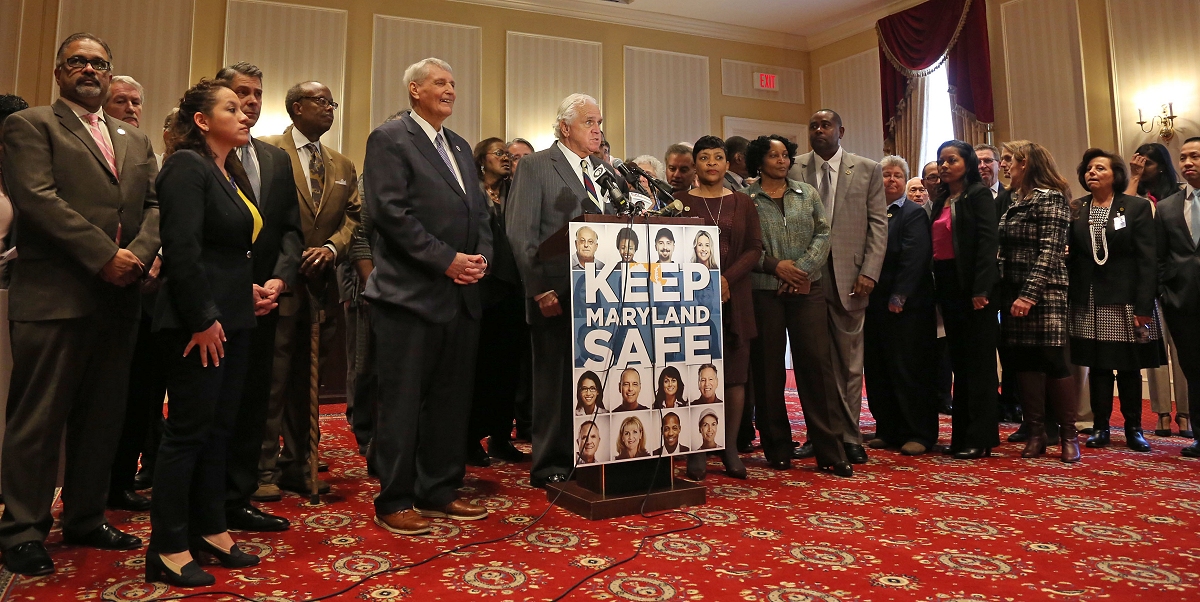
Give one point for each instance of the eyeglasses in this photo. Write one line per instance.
(502, 154)
(321, 101)
(79, 62)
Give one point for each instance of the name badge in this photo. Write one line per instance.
(1118, 222)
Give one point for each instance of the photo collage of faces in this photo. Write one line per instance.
(606, 244)
(643, 412)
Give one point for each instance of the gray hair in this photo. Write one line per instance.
(657, 169)
(228, 72)
(419, 72)
(568, 111)
(988, 147)
(129, 81)
(895, 161)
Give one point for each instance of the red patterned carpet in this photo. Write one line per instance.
(1118, 526)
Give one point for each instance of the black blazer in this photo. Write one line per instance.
(1178, 257)
(208, 266)
(1003, 200)
(503, 280)
(1130, 276)
(973, 225)
(422, 219)
(906, 262)
(279, 245)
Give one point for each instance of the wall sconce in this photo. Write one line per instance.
(1166, 121)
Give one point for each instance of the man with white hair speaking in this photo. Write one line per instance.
(554, 186)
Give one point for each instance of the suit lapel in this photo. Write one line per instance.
(120, 142)
(331, 177)
(71, 121)
(299, 172)
(844, 179)
(810, 170)
(230, 193)
(568, 173)
(266, 172)
(421, 140)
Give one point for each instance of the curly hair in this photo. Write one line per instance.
(756, 153)
(184, 133)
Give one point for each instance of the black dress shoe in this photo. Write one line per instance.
(972, 453)
(29, 558)
(249, 518)
(841, 469)
(855, 453)
(506, 451)
(1100, 438)
(189, 575)
(128, 500)
(235, 558)
(745, 448)
(554, 478)
(1191, 451)
(104, 537)
(476, 456)
(804, 451)
(143, 480)
(780, 464)
(1020, 435)
(1135, 440)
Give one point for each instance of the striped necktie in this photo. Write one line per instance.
(105, 148)
(584, 164)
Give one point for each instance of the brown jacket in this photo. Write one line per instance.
(68, 206)
(334, 223)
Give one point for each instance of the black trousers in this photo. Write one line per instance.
(1184, 326)
(900, 386)
(498, 369)
(242, 453)
(362, 383)
(972, 335)
(1129, 390)
(804, 318)
(943, 371)
(553, 397)
(424, 403)
(143, 409)
(202, 409)
(68, 376)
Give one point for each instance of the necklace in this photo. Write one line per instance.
(720, 208)
(1103, 240)
(778, 191)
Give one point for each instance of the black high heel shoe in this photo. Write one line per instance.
(235, 558)
(697, 467)
(189, 575)
(972, 453)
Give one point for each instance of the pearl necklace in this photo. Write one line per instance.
(1103, 236)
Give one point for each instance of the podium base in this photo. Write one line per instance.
(597, 506)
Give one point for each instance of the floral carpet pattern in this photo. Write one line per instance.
(1118, 526)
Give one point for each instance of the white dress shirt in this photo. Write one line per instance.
(995, 190)
(80, 112)
(835, 162)
(432, 133)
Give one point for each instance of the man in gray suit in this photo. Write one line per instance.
(431, 240)
(82, 183)
(851, 188)
(554, 187)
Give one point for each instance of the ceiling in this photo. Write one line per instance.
(795, 17)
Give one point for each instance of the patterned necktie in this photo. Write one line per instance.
(826, 186)
(1196, 217)
(316, 173)
(105, 148)
(252, 172)
(440, 143)
(591, 189)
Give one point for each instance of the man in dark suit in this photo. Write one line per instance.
(1178, 220)
(901, 327)
(82, 184)
(432, 237)
(989, 169)
(276, 261)
(554, 187)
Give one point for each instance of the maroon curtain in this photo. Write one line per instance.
(911, 43)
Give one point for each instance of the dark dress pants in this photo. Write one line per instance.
(553, 392)
(972, 335)
(143, 409)
(1184, 325)
(900, 385)
(505, 338)
(944, 370)
(68, 376)
(241, 461)
(425, 381)
(362, 384)
(804, 318)
(202, 410)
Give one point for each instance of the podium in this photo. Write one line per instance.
(621, 489)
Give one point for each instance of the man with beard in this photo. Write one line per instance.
(664, 244)
(82, 184)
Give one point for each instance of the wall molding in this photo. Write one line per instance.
(858, 24)
(621, 15)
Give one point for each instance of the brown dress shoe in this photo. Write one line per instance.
(912, 448)
(404, 522)
(457, 510)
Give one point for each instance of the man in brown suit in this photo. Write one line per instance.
(83, 186)
(329, 211)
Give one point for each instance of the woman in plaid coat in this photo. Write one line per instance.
(1033, 294)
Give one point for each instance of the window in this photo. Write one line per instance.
(939, 120)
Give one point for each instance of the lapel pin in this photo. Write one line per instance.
(847, 171)
(457, 148)
(121, 131)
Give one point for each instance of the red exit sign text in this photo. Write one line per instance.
(766, 81)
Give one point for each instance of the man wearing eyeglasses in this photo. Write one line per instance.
(82, 183)
(327, 183)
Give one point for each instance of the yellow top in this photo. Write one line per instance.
(258, 223)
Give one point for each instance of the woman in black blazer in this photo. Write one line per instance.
(204, 315)
(965, 272)
(1114, 279)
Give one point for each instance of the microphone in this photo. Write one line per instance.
(675, 208)
(656, 183)
(605, 179)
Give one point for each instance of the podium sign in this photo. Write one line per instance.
(647, 344)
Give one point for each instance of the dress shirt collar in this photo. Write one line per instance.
(898, 202)
(428, 128)
(80, 111)
(1189, 192)
(835, 161)
(570, 154)
(300, 140)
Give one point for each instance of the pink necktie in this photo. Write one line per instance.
(94, 126)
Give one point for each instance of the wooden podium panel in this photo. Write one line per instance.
(612, 490)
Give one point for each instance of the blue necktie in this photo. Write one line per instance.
(252, 172)
(441, 149)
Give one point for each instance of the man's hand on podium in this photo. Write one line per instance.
(548, 304)
(466, 269)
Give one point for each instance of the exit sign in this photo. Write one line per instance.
(766, 81)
